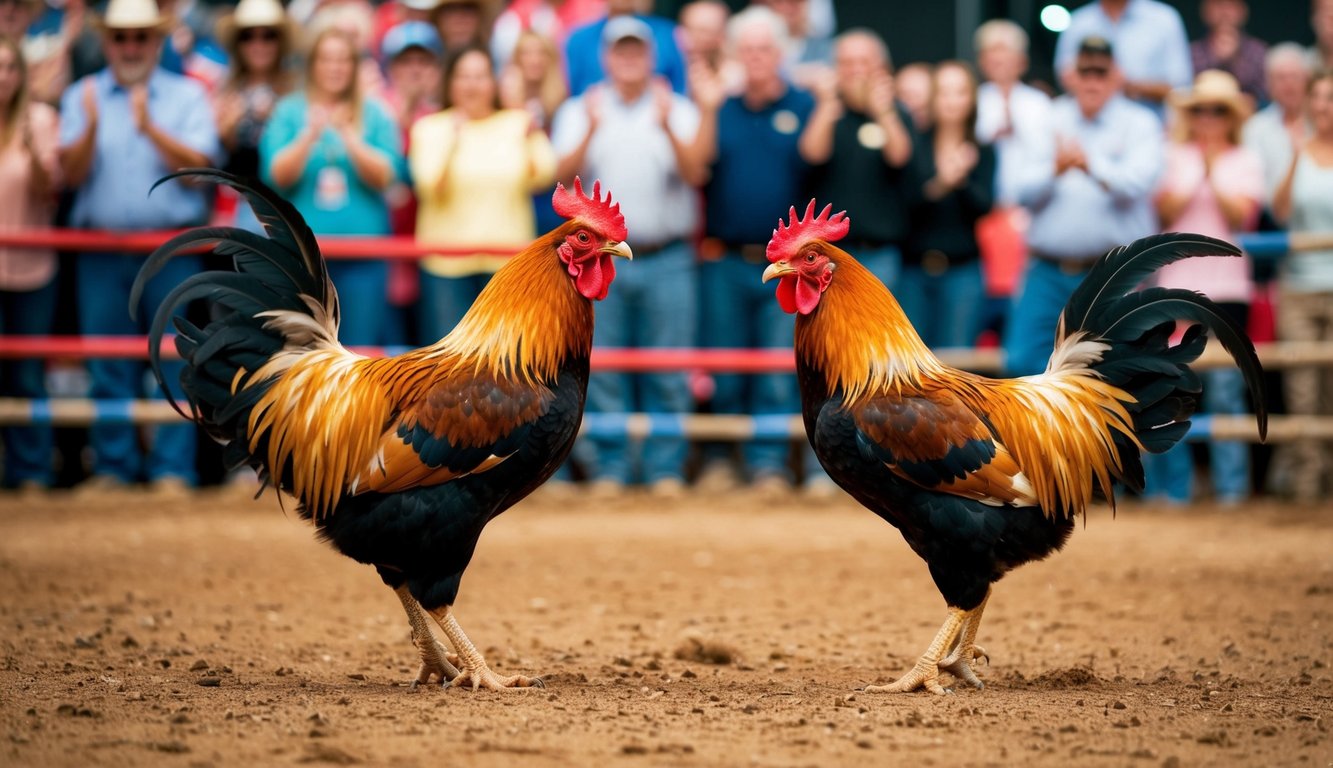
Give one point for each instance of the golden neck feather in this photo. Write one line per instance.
(859, 336)
(527, 321)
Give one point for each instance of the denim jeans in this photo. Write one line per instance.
(739, 311)
(27, 449)
(444, 301)
(1029, 334)
(103, 281)
(363, 299)
(884, 262)
(945, 308)
(652, 304)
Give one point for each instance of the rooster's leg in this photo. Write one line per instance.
(926, 673)
(474, 666)
(435, 660)
(959, 662)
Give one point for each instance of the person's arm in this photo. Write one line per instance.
(1282, 195)
(286, 146)
(816, 142)
(978, 190)
(898, 138)
(541, 159)
(709, 94)
(372, 148)
(680, 121)
(572, 132)
(1238, 183)
(1134, 173)
(79, 137)
(1237, 208)
(41, 140)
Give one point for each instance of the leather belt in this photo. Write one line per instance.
(1075, 266)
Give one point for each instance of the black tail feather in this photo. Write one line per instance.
(279, 272)
(1138, 325)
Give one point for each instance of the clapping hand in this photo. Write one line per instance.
(880, 94)
(139, 106)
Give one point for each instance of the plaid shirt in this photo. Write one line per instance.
(1246, 64)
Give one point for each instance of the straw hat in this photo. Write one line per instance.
(1213, 86)
(133, 14)
(252, 14)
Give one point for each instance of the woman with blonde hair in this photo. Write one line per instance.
(333, 153)
(532, 79)
(29, 176)
(258, 38)
(1213, 186)
(475, 167)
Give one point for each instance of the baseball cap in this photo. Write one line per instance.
(410, 34)
(621, 27)
(1095, 45)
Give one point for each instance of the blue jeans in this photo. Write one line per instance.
(27, 449)
(103, 281)
(363, 299)
(885, 262)
(739, 311)
(945, 308)
(651, 305)
(444, 301)
(1029, 335)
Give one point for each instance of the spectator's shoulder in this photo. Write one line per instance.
(179, 86)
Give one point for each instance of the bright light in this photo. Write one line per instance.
(1055, 18)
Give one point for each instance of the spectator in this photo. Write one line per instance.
(583, 51)
(1148, 36)
(1277, 130)
(391, 13)
(475, 167)
(1304, 200)
(462, 23)
(258, 37)
(532, 80)
(941, 288)
(808, 52)
(637, 136)
(29, 176)
(860, 140)
(1011, 114)
(1228, 48)
(703, 34)
(45, 43)
(1215, 187)
(913, 84)
(756, 169)
(552, 19)
(122, 129)
(1090, 191)
(333, 153)
(412, 53)
(355, 19)
(1321, 23)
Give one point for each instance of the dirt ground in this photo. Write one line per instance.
(218, 632)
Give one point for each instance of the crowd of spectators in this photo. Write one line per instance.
(979, 198)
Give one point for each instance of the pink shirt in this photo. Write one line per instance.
(1239, 171)
(27, 269)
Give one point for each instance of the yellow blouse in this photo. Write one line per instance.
(474, 181)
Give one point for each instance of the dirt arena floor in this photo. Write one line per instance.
(716, 631)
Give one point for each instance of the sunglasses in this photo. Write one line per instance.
(1098, 72)
(265, 35)
(139, 38)
(1210, 110)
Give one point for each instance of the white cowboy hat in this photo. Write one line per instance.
(133, 14)
(256, 14)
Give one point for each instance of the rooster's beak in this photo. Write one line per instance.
(619, 249)
(778, 269)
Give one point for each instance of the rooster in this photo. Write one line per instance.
(399, 462)
(983, 475)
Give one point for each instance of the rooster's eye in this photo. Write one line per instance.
(810, 258)
(583, 237)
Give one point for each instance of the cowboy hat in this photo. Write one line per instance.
(1213, 86)
(255, 14)
(133, 14)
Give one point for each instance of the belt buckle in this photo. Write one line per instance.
(934, 262)
(754, 253)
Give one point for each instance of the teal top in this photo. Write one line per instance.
(329, 194)
(1311, 211)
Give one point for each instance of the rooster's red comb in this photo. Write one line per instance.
(809, 227)
(601, 213)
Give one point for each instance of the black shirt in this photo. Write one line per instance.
(949, 224)
(858, 179)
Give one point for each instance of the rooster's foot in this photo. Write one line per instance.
(959, 664)
(483, 677)
(436, 664)
(924, 675)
